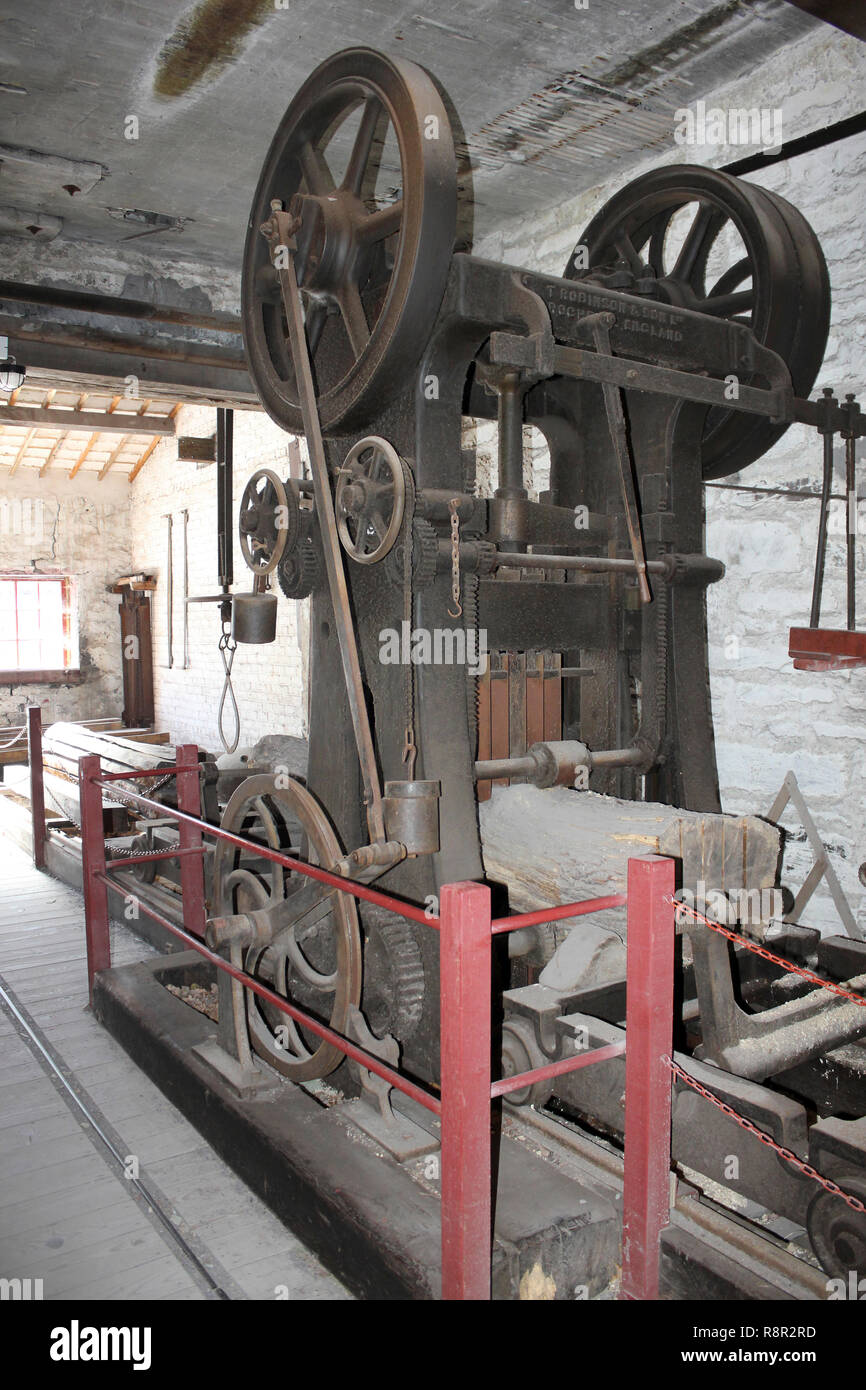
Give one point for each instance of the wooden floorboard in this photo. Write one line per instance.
(66, 1213)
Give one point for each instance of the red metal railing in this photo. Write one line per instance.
(466, 1084)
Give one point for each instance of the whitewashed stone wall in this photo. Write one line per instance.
(769, 718)
(269, 680)
(81, 529)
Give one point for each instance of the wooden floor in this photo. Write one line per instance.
(74, 1110)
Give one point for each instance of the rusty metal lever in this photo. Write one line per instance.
(599, 326)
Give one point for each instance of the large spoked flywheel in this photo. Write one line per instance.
(365, 157)
(314, 958)
(719, 245)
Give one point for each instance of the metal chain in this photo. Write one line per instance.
(122, 799)
(227, 649)
(410, 750)
(767, 955)
(764, 1138)
(127, 852)
(455, 558)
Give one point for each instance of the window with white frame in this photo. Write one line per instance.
(37, 631)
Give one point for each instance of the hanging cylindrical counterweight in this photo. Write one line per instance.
(254, 618)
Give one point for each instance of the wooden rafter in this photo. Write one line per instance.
(139, 464)
(22, 451)
(112, 459)
(61, 439)
(83, 455)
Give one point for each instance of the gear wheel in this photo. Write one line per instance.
(425, 556)
(470, 622)
(486, 557)
(394, 986)
(298, 570)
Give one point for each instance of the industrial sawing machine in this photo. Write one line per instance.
(681, 341)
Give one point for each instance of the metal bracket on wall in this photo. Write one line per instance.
(821, 868)
(169, 588)
(185, 515)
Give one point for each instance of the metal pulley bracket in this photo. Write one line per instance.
(531, 353)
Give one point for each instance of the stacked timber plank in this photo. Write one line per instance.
(64, 743)
(13, 750)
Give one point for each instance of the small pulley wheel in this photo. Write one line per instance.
(268, 521)
(836, 1231)
(370, 500)
(364, 157)
(314, 958)
(719, 245)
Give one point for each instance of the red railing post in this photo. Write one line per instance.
(465, 988)
(648, 1038)
(191, 865)
(93, 862)
(37, 784)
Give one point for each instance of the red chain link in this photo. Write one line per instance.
(762, 951)
(760, 1135)
(764, 1138)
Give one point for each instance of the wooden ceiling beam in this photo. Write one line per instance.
(87, 420)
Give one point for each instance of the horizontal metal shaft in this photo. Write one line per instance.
(529, 767)
(603, 564)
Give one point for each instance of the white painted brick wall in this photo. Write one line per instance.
(81, 529)
(269, 681)
(768, 717)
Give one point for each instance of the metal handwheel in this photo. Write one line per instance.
(314, 959)
(267, 521)
(370, 500)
